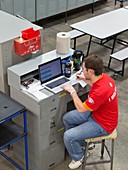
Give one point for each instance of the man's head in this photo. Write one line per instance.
(92, 66)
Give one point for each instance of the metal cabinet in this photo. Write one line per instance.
(41, 9)
(52, 7)
(30, 10)
(24, 8)
(34, 10)
(44, 115)
(46, 8)
(7, 6)
(72, 4)
(61, 5)
(82, 2)
(19, 8)
(43, 132)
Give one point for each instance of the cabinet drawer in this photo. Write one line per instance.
(49, 106)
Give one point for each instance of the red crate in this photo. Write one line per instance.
(30, 33)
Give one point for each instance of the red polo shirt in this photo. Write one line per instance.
(103, 102)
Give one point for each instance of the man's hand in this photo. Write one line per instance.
(80, 76)
(77, 101)
(68, 87)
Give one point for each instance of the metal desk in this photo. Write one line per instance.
(44, 113)
(104, 27)
(10, 131)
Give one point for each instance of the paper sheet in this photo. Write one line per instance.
(74, 78)
(39, 95)
(34, 89)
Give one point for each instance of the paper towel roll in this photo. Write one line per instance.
(63, 42)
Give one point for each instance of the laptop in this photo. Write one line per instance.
(51, 75)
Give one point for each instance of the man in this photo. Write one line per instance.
(97, 116)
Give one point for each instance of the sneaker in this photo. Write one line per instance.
(6, 149)
(88, 154)
(91, 146)
(75, 164)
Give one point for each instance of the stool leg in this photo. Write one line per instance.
(112, 153)
(102, 149)
(85, 157)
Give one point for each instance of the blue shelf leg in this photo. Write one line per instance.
(26, 140)
(11, 161)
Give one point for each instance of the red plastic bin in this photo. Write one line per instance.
(30, 33)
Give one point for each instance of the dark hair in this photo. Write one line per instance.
(95, 63)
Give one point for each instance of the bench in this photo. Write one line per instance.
(121, 56)
(74, 34)
(121, 2)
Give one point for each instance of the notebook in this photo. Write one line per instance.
(51, 75)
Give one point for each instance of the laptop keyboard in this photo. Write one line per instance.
(57, 82)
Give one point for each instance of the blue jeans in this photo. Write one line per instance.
(79, 126)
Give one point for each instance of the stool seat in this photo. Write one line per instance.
(110, 150)
(113, 135)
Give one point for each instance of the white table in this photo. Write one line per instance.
(104, 27)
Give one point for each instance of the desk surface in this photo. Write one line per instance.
(104, 25)
(11, 26)
(8, 106)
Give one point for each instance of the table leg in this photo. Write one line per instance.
(89, 44)
(110, 58)
(113, 46)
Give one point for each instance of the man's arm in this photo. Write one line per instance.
(77, 101)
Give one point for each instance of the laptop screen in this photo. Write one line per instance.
(50, 70)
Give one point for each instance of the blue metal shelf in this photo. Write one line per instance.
(10, 132)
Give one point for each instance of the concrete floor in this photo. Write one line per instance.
(49, 43)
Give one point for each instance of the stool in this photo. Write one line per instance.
(112, 136)
(9, 130)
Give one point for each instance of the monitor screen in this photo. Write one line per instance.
(50, 70)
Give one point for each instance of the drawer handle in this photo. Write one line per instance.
(52, 126)
(53, 109)
(53, 100)
(52, 142)
(51, 164)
